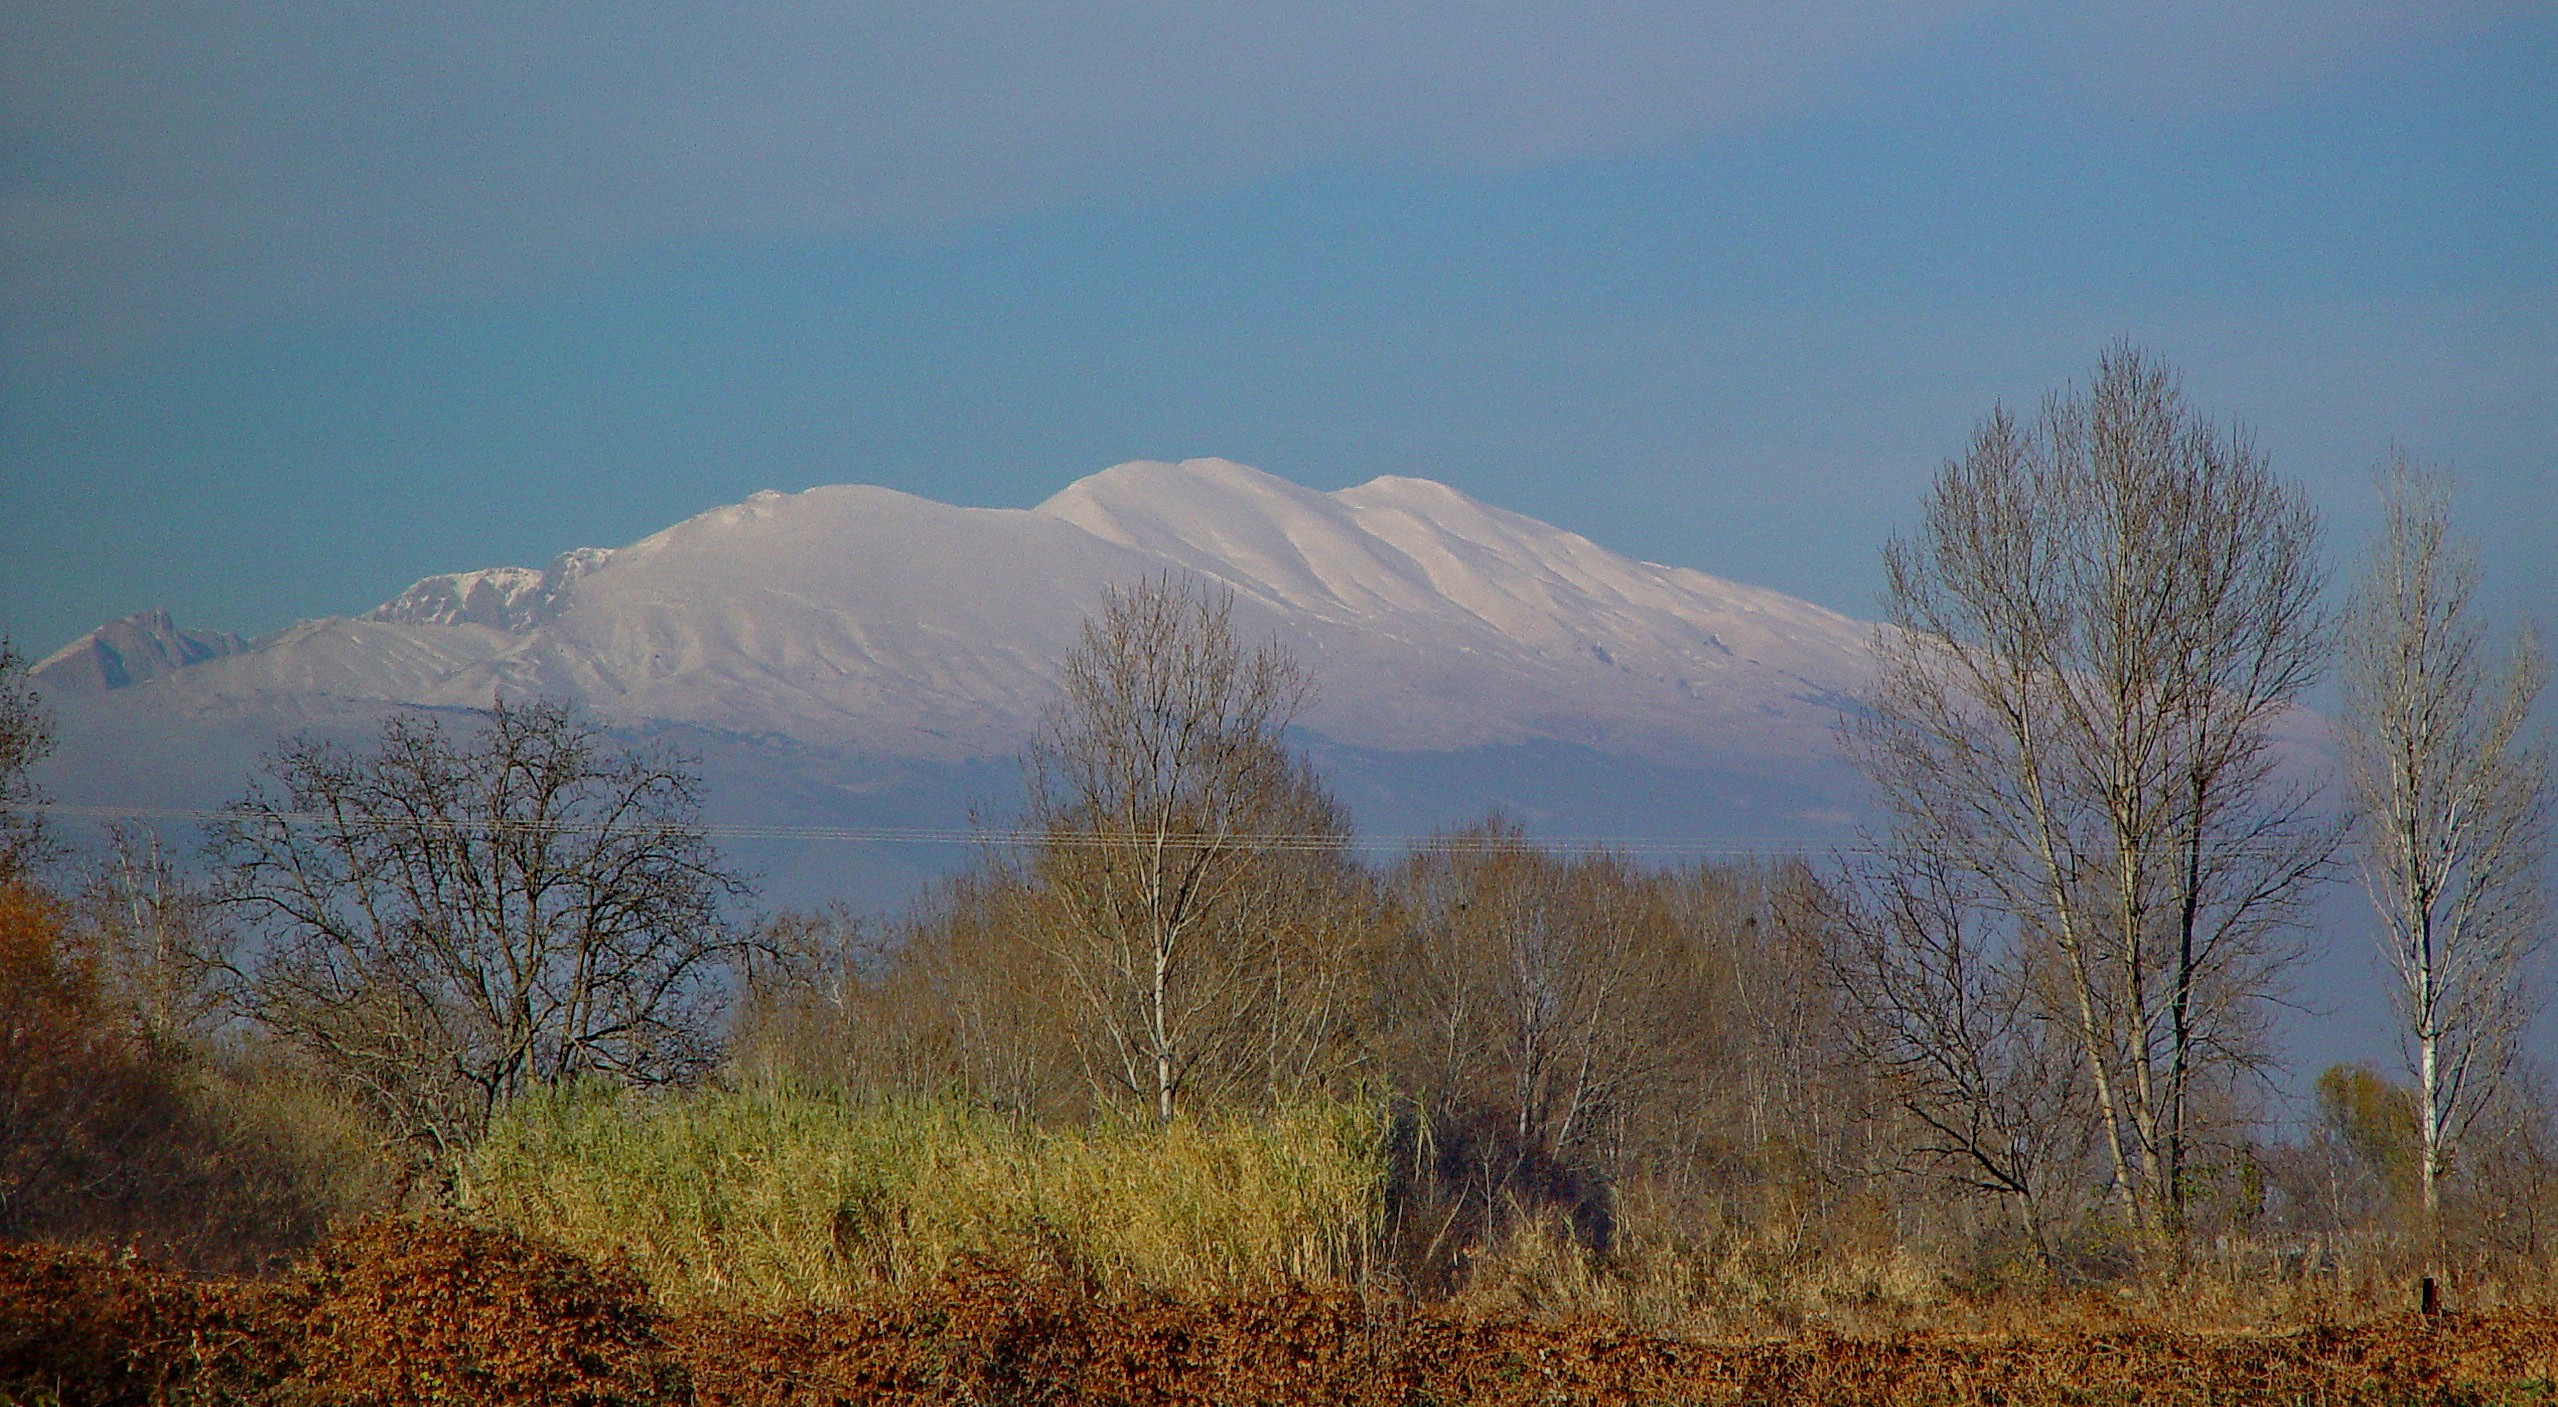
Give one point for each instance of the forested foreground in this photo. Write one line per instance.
(1177, 1092)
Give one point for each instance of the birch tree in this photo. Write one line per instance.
(2449, 797)
(2089, 641)
(1175, 829)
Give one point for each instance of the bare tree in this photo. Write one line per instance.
(26, 735)
(1939, 1004)
(157, 940)
(451, 921)
(960, 994)
(1173, 822)
(1555, 1025)
(1562, 994)
(2450, 798)
(2090, 639)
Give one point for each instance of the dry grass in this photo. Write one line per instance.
(1662, 1282)
(765, 1198)
(1678, 1274)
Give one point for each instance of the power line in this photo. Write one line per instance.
(1438, 844)
(972, 835)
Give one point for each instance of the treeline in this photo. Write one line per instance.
(1542, 1031)
(2022, 1039)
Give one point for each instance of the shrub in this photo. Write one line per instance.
(406, 1312)
(110, 1138)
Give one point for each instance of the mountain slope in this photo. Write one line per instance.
(1449, 624)
(139, 647)
(835, 650)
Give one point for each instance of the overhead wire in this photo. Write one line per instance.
(1439, 843)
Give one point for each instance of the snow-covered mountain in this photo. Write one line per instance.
(854, 655)
(139, 647)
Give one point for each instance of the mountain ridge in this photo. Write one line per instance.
(131, 650)
(865, 633)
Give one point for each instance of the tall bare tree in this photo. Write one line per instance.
(2450, 798)
(449, 921)
(1174, 826)
(2089, 641)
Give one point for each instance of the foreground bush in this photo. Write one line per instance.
(385, 1314)
(80, 1326)
(397, 1312)
(400, 1313)
(767, 1198)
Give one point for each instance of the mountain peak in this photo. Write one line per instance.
(143, 645)
(863, 618)
(1386, 487)
(512, 599)
(1116, 502)
(849, 657)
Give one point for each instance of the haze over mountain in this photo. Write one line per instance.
(858, 657)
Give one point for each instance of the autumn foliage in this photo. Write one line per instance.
(438, 1311)
(110, 1137)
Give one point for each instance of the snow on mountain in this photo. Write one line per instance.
(858, 616)
(823, 646)
(512, 599)
(141, 646)
(502, 598)
(1451, 624)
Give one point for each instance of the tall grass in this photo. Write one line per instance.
(771, 1197)
(765, 1198)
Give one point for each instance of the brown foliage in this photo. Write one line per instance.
(82, 1326)
(420, 1312)
(439, 1312)
(390, 1312)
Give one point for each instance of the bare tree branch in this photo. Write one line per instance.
(1179, 839)
(449, 922)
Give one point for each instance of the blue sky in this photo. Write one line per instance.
(301, 302)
